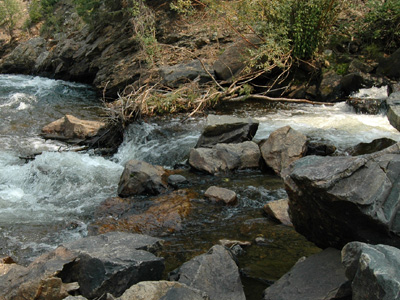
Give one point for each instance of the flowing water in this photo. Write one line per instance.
(51, 199)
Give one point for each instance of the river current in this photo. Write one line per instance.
(51, 199)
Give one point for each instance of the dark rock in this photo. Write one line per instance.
(374, 271)
(160, 215)
(176, 75)
(219, 194)
(284, 146)
(320, 148)
(318, 277)
(351, 83)
(390, 66)
(232, 61)
(278, 210)
(141, 178)
(225, 157)
(367, 106)
(112, 263)
(177, 181)
(24, 57)
(335, 200)
(393, 114)
(227, 129)
(357, 66)
(93, 265)
(214, 272)
(330, 86)
(368, 148)
(165, 290)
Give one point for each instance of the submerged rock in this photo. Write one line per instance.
(140, 178)
(318, 277)
(336, 200)
(374, 271)
(223, 195)
(225, 157)
(93, 266)
(284, 146)
(367, 106)
(227, 129)
(160, 215)
(70, 127)
(214, 273)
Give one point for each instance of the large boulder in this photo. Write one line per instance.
(336, 200)
(330, 86)
(390, 66)
(393, 113)
(140, 178)
(91, 267)
(232, 61)
(214, 273)
(176, 75)
(318, 277)
(225, 157)
(284, 146)
(70, 127)
(166, 290)
(374, 271)
(227, 129)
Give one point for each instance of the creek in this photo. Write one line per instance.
(51, 199)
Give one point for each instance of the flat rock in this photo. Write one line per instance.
(223, 195)
(70, 127)
(318, 277)
(374, 271)
(336, 200)
(278, 210)
(371, 147)
(214, 273)
(166, 290)
(227, 129)
(284, 146)
(225, 157)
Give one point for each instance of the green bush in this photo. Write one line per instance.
(381, 25)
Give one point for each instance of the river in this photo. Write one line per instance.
(50, 200)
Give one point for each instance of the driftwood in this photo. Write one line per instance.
(282, 100)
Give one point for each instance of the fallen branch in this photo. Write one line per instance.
(271, 99)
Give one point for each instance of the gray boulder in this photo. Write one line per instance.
(284, 146)
(393, 113)
(371, 147)
(176, 75)
(225, 157)
(374, 271)
(140, 178)
(93, 266)
(336, 200)
(165, 290)
(214, 272)
(227, 129)
(318, 277)
(232, 61)
(330, 86)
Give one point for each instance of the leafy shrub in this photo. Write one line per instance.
(381, 25)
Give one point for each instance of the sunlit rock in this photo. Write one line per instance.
(214, 272)
(221, 195)
(140, 178)
(70, 127)
(278, 210)
(284, 146)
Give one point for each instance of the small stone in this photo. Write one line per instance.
(279, 210)
(219, 194)
(177, 181)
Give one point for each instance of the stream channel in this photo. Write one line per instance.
(52, 199)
